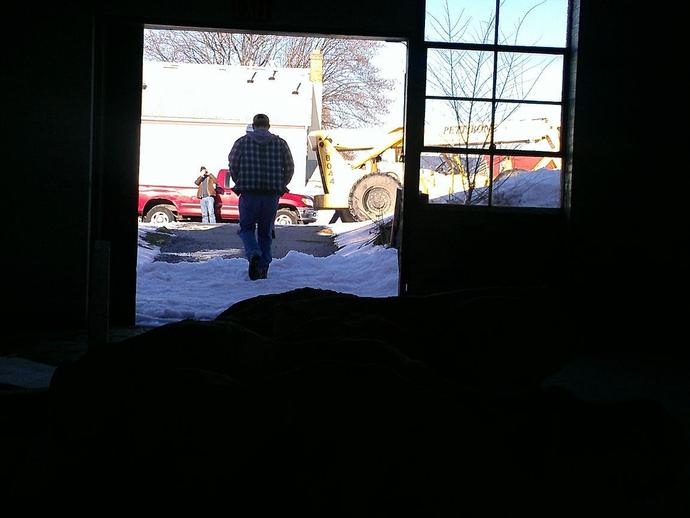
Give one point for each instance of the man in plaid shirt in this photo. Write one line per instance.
(261, 166)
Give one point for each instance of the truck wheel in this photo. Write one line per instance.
(160, 215)
(286, 217)
(373, 196)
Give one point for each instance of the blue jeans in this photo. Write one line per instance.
(208, 209)
(257, 213)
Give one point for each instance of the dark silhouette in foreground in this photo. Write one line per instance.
(325, 404)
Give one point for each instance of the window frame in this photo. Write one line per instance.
(495, 48)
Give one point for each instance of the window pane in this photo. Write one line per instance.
(457, 123)
(507, 164)
(459, 21)
(535, 23)
(459, 73)
(463, 179)
(533, 127)
(528, 182)
(529, 77)
(456, 178)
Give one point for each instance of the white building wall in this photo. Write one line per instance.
(173, 151)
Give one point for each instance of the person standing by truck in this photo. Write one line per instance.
(261, 166)
(206, 192)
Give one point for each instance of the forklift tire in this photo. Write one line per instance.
(373, 196)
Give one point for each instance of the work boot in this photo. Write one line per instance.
(254, 270)
(264, 273)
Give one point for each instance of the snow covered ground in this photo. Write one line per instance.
(169, 292)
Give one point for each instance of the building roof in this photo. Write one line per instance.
(225, 93)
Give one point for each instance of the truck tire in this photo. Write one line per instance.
(373, 196)
(286, 217)
(160, 215)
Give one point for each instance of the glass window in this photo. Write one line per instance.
(458, 21)
(533, 127)
(452, 123)
(493, 107)
(527, 182)
(518, 181)
(529, 77)
(459, 73)
(457, 178)
(526, 22)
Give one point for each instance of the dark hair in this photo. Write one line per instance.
(202, 168)
(260, 121)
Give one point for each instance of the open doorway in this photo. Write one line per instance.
(200, 91)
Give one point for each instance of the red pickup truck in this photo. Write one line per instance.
(163, 204)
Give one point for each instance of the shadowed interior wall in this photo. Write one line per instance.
(628, 231)
(47, 86)
(470, 249)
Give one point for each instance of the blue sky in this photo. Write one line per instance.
(544, 25)
(392, 62)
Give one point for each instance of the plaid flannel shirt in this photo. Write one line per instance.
(261, 163)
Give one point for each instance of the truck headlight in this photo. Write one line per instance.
(308, 202)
